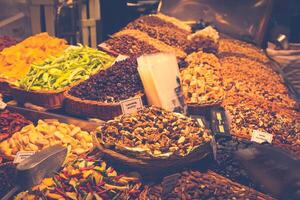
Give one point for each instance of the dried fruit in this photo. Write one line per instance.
(119, 82)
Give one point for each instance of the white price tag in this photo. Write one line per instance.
(260, 137)
(131, 105)
(22, 155)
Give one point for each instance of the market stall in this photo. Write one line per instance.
(174, 127)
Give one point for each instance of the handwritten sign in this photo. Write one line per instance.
(260, 137)
(131, 105)
(22, 155)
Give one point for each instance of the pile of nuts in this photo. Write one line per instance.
(161, 30)
(154, 132)
(11, 122)
(45, 134)
(201, 82)
(201, 185)
(239, 47)
(119, 82)
(85, 178)
(243, 75)
(129, 46)
(247, 115)
(197, 185)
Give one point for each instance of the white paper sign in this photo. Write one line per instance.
(22, 155)
(131, 105)
(260, 137)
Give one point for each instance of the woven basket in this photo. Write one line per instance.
(153, 165)
(46, 99)
(87, 108)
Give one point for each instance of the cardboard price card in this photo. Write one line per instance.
(22, 155)
(260, 137)
(131, 105)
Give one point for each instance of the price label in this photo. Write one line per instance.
(260, 137)
(22, 155)
(131, 105)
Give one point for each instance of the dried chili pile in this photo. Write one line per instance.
(11, 122)
(85, 178)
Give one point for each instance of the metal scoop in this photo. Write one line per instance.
(274, 169)
(32, 170)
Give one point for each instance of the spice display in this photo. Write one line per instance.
(76, 63)
(201, 185)
(8, 175)
(238, 47)
(11, 122)
(201, 82)
(243, 75)
(143, 37)
(153, 132)
(119, 82)
(200, 57)
(7, 41)
(45, 134)
(15, 61)
(85, 178)
(248, 114)
(161, 30)
(205, 40)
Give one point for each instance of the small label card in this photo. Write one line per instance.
(22, 155)
(131, 105)
(260, 137)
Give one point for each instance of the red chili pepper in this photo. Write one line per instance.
(87, 168)
(118, 177)
(61, 192)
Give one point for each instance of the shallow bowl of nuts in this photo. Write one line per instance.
(153, 139)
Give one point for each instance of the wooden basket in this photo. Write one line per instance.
(46, 99)
(153, 165)
(88, 108)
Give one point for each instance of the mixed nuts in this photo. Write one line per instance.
(153, 132)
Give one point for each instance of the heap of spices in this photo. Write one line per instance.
(75, 64)
(7, 41)
(153, 132)
(248, 115)
(161, 30)
(238, 47)
(10, 123)
(119, 82)
(85, 178)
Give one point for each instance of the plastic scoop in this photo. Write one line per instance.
(274, 169)
(32, 170)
